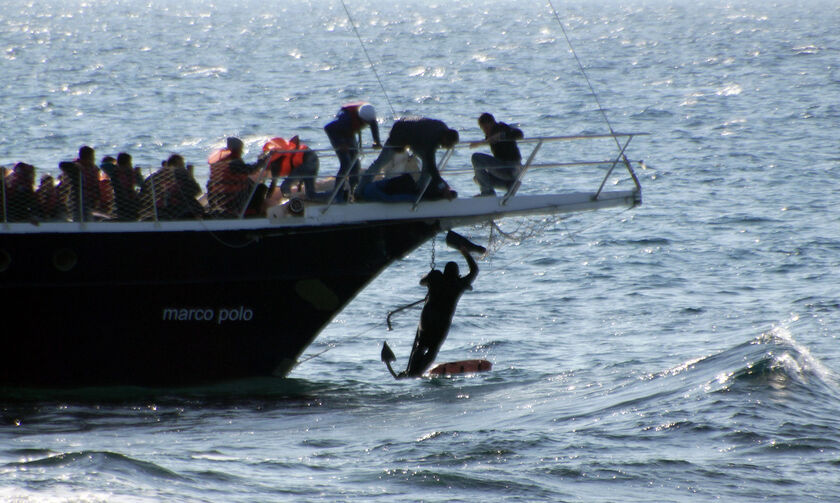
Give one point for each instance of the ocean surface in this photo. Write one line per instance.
(684, 350)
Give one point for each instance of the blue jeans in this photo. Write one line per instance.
(373, 192)
(305, 173)
(385, 156)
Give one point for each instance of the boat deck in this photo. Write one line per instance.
(562, 187)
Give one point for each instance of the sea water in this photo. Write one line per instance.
(683, 350)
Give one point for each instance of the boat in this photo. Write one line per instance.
(89, 300)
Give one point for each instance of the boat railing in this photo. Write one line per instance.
(163, 197)
(620, 158)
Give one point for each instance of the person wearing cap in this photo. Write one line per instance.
(501, 169)
(230, 187)
(345, 136)
(423, 136)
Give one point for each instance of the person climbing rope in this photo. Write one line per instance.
(445, 289)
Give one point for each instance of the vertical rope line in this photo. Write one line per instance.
(370, 61)
(432, 261)
(583, 71)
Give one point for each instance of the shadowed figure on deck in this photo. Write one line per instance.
(445, 288)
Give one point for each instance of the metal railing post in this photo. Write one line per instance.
(81, 206)
(260, 178)
(3, 193)
(635, 179)
(518, 182)
(344, 177)
(609, 172)
(154, 196)
(443, 162)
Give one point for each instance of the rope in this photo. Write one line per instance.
(402, 308)
(534, 230)
(585, 76)
(493, 228)
(494, 242)
(370, 61)
(432, 261)
(202, 220)
(331, 345)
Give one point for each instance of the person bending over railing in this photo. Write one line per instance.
(423, 136)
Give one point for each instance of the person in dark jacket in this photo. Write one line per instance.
(345, 136)
(423, 136)
(82, 178)
(124, 180)
(170, 193)
(501, 169)
(21, 203)
(49, 201)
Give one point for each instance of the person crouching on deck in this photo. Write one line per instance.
(501, 169)
(423, 136)
(296, 163)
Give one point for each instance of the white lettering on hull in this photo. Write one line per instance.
(218, 316)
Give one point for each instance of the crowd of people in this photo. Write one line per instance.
(117, 190)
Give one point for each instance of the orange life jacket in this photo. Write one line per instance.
(288, 160)
(224, 186)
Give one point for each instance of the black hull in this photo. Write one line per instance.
(180, 307)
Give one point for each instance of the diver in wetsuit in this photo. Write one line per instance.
(445, 288)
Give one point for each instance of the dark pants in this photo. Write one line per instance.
(401, 189)
(306, 174)
(491, 173)
(347, 149)
(423, 353)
